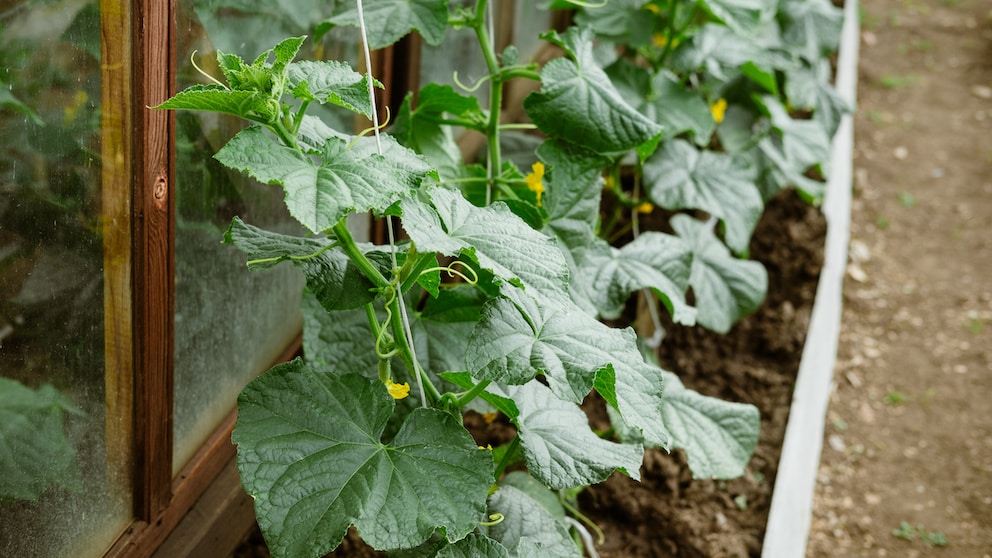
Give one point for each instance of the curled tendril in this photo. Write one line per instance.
(384, 328)
(192, 60)
(494, 519)
(470, 277)
(468, 89)
(370, 129)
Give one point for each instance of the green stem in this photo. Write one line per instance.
(584, 519)
(346, 241)
(507, 457)
(471, 394)
(406, 354)
(298, 117)
(672, 13)
(373, 320)
(495, 96)
(287, 137)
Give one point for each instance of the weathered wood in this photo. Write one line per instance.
(117, 170)
(154, 253)
(216, 523)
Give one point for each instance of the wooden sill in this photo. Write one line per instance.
(216, 523)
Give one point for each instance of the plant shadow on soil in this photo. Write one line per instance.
(668, 514)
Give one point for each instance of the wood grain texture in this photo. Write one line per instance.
(154, 75)
(117, 170)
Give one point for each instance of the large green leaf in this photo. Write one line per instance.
(720, 51)
(320, 194)
(443, 326)
(518, 338)
(805, 143)
(388, 21)
(35, 453)
(330, 274)
(718, 436)
(311, 455)
(515, 340)
(726, 288)
(474, 545)
(743, 16)
(679, 109)
(810, 27)
(339, 340)
(451, 226)
(653, 260)
(559, 448)
(634, 388)
(573, 190)
(678, 176)
(808, 87)
(662, 97)
(528, 530)
(331, 81)
(577, 103)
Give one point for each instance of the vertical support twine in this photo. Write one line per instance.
(404, 317)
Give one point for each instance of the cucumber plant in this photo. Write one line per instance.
(494, 299)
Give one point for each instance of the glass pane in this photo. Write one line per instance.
(458, 52)
(529, 22)
(230, 324)
(60, 493)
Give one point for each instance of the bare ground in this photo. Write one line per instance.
(909, 430)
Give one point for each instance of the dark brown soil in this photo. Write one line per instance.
(668, 514)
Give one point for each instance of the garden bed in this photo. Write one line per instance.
(667, 513)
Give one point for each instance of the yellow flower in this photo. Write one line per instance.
(398, 391)
(661, 41)
(535, 180)
(653, 8)
(487, 447)
(719, 108)
(646, 207)
(489, 417)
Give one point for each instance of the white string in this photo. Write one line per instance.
(584, 535)
(389, 222)
(656, 338)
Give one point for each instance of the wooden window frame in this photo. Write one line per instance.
(139, 72)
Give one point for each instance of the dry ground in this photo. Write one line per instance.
(909, 430)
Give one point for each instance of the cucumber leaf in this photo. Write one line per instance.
(319, 194)
(578, 103)
(726, 288)
(390, 20)
(559, 448)
(452, 226)
(311, 455)
(679, 176)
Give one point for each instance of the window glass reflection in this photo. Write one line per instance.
(60, 495)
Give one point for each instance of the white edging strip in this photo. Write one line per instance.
(787, 531)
